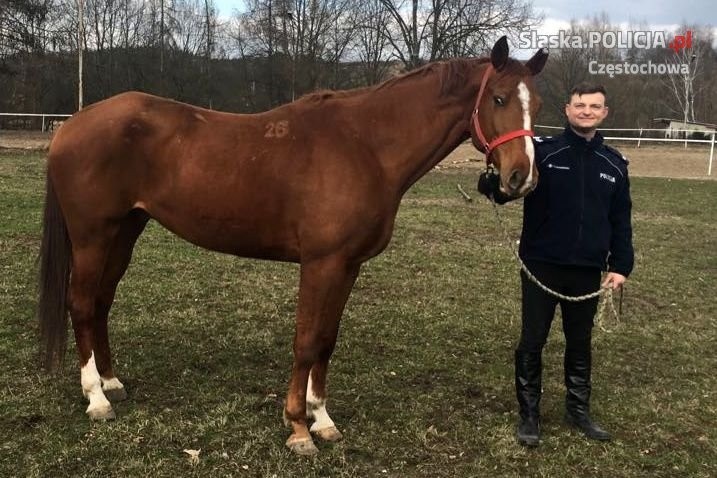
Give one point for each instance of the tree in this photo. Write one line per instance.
(24, 38)
(422, 31)
(23, 25)
(684, 87)
(259, 32)
(371, 42)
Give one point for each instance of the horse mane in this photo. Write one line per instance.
(453, 73)
(319, 96)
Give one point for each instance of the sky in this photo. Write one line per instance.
(227, 7)
(652, 12)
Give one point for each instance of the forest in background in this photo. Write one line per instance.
(270, 52)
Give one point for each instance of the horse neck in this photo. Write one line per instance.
(415, 128)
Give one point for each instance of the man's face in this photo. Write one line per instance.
(586, 112)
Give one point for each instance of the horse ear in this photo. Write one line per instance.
(537, 62)
(499, 53)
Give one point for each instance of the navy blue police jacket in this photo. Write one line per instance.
(580, 211)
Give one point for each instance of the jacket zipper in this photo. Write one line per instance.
(581, 171)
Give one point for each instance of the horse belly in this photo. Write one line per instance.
(238, 231)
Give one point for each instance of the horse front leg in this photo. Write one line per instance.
(316, 395)
(324, 288)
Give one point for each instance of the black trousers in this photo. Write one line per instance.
(538, 307)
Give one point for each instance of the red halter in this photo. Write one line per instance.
(490, 146)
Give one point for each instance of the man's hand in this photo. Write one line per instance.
(614, 280)
(488, 184)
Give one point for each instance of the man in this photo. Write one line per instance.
(575, 224)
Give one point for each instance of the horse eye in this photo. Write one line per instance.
(498, 100)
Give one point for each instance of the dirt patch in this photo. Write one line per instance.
(669, 161)
(673, 161)
(24, 139)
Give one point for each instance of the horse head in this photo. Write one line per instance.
(502, 120)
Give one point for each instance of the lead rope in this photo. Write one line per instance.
(605, 292)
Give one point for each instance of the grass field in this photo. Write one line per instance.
(421, 381)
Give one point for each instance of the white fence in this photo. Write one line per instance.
(639, 138)
(45, 118)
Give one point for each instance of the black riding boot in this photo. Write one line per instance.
(577, 400)
(528, 369)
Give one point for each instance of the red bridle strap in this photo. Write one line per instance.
(489, 147)
(508, 136)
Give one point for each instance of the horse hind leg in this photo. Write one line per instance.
(118, 260)
(88, 261)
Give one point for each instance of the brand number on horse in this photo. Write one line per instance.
(277, 130)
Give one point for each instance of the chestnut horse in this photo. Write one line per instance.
(317, 182)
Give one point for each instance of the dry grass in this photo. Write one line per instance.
(24, 140)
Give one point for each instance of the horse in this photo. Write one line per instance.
(316, 182)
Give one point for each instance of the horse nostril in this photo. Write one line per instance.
(515, 180)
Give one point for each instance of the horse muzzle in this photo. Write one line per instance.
(517, 183)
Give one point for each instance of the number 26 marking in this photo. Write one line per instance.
(277, 130)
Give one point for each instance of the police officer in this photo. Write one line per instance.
(576, 223)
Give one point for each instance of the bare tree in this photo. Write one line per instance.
(298, 38)
(80, 53)
(684, 87)
(23, 25)
(371, 42)
(427, 31)
(306, 30)
(25, 37)
(102, 36)
(340, 35)
(259, 32)
(210, 26)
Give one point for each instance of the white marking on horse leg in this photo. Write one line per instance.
(316, 409)
(524, 96)
(99, 407)
(113, 389)
(111, 384)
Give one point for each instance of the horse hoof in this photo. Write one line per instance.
(329, 434)
(302, 446)
(116, 394)
(105, 413)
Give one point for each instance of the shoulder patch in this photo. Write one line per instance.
(544, 139)
(617, 153)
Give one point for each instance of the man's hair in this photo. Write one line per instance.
(586, 88)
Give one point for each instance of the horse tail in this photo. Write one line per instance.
(55, 258)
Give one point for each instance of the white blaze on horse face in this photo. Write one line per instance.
(316, 408)
(524, 97)
(92, 389)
